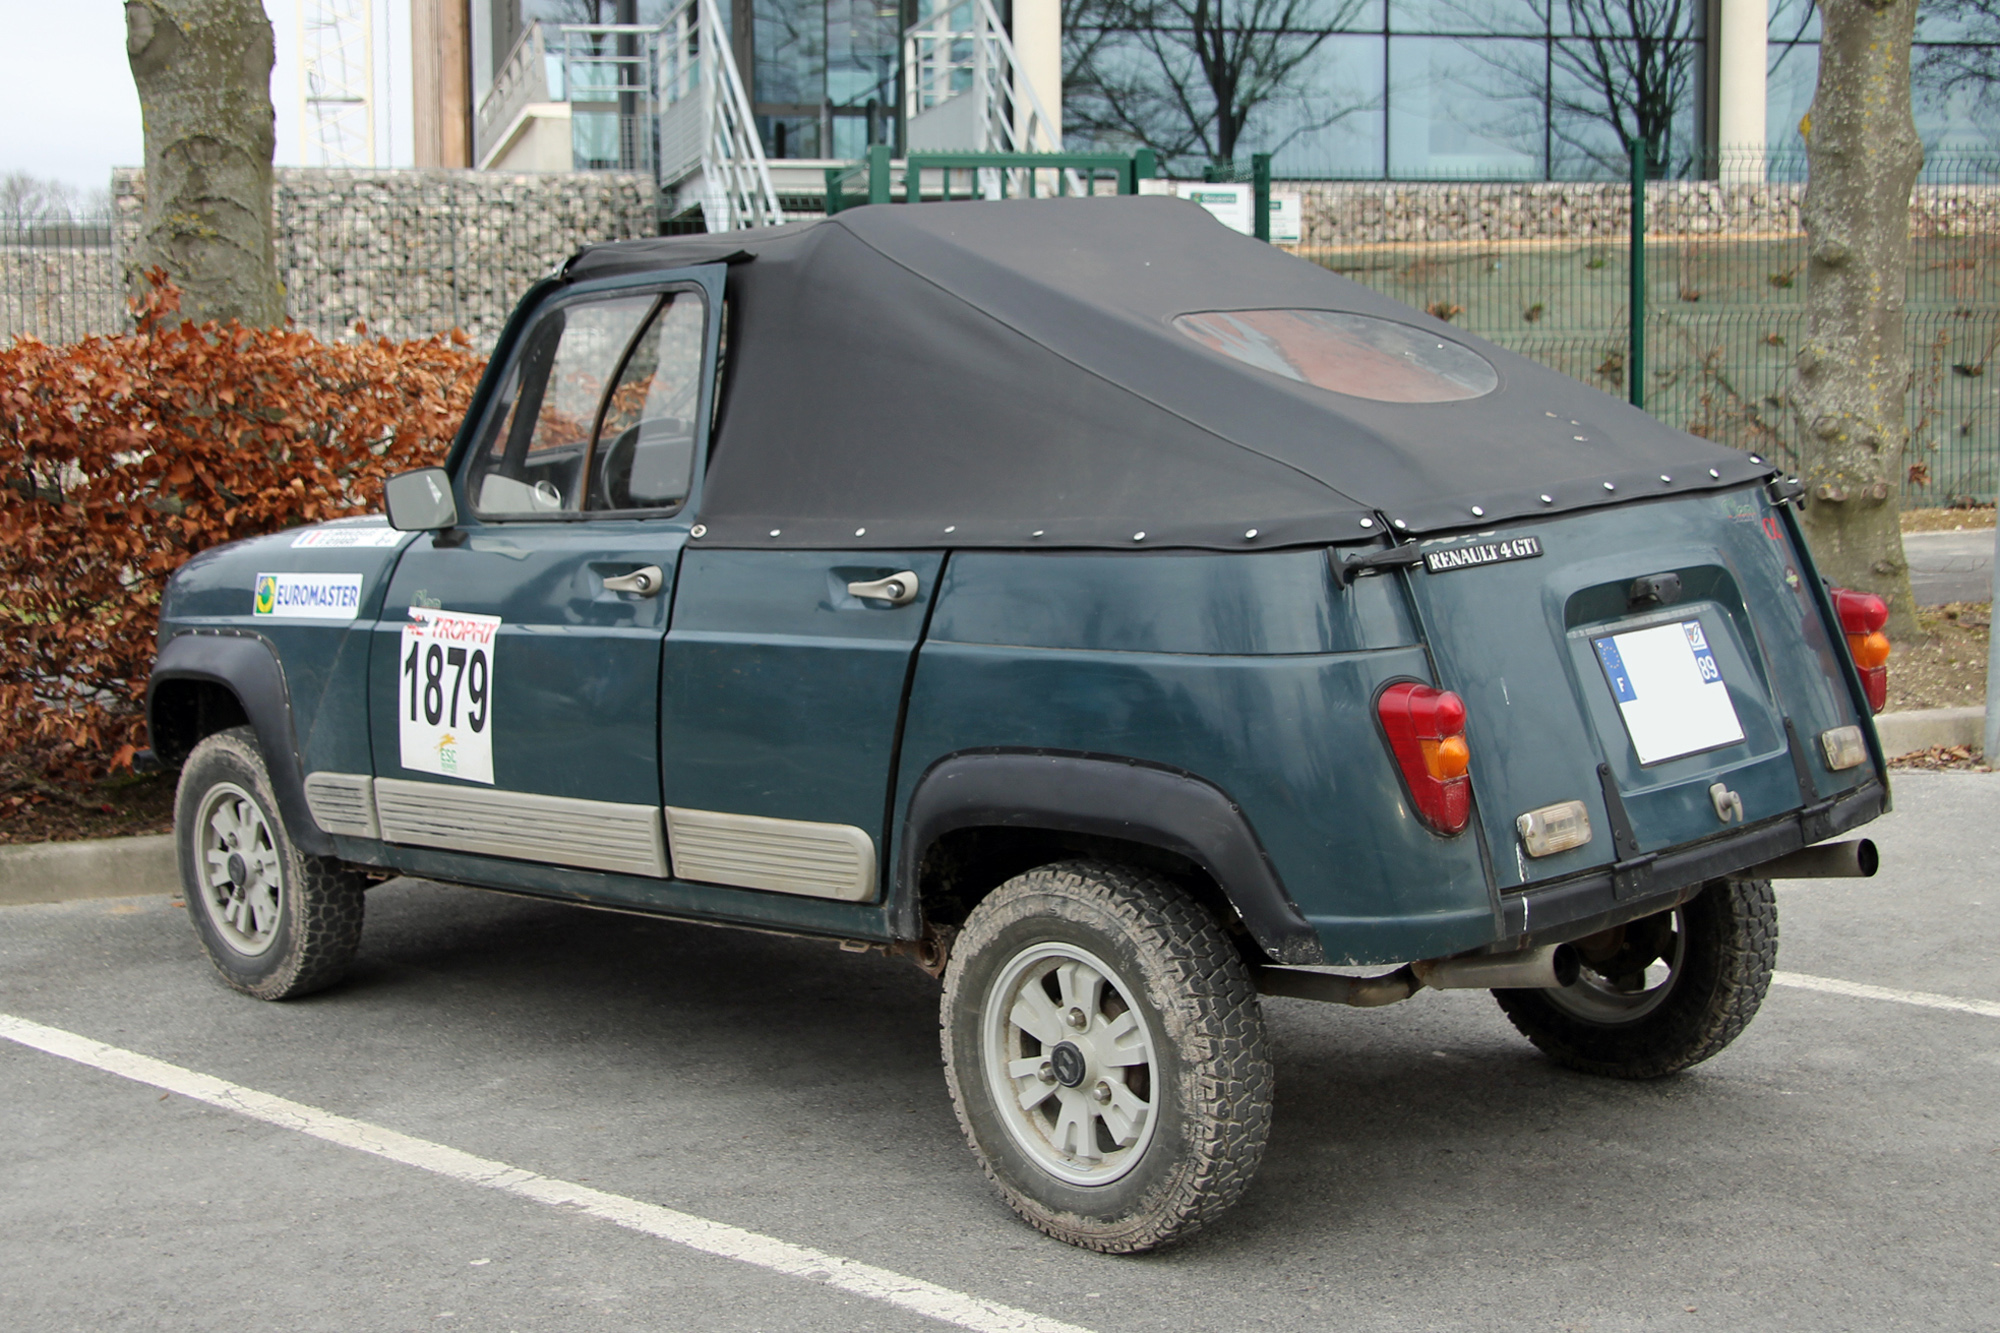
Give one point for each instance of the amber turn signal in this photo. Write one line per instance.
(1869, 650)
(1448, 758)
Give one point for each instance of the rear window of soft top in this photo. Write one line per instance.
(1358, 355)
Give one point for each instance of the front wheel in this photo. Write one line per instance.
(274, 921)
(1105, 1054)
(1663, 992)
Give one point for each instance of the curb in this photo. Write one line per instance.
(1920, 729)
(60, 872)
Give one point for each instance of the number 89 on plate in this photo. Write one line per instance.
(444, 693)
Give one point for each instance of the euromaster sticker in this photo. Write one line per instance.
(444, 693)
(343, 539)
(307, 596)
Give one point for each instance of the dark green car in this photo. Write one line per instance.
(1114, 615)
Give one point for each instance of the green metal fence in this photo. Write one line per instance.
(1714, 264)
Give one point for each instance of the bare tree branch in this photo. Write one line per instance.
(1191, 78)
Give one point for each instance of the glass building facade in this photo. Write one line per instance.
(1954, 71)
(1389, 89)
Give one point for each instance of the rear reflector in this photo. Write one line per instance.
(1862, 616)
(1425, 728)
(1844, 748)
(1554, 828)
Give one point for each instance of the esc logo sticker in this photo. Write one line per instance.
(444, 693)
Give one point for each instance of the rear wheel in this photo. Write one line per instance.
(1661, 993)
(274, 921)
(1105, 1053)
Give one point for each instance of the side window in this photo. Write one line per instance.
(645, 448)
(533, 461)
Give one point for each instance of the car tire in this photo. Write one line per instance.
(1659, 994)
(275, 922)
(1157, 1113)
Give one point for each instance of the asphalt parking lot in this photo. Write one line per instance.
(1838, 1168)
(1950, 566)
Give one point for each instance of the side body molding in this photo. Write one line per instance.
(247, 666)
(1106, 796)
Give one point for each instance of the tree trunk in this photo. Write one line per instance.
(203, 69)
(1853, 375)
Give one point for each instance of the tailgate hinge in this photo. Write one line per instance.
(1395, 557)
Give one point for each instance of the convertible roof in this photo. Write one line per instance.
(1009, 374)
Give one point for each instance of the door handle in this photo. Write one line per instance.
(896, 590)
(645, 582)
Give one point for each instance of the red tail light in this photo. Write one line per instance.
(1426, 731)
(1862, 616)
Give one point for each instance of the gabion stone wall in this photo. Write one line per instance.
(410, 253)
(58, 281)
(1346, 213)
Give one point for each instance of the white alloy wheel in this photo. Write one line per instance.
(241, 871)
(1105, 1053)
(275, 921)
(1069, 1064)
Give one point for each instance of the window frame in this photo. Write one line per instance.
(706, 284)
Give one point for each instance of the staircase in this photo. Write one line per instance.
(665, 100)
(964, 88)
(710, 153)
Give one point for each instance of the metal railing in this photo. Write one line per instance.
(964, 88)
(1687, 297)
(936, 176)
(665, 99)
(521, 81)
(736, 180)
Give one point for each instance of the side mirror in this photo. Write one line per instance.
(421, 501)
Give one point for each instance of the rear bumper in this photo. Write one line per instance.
(1572, 908)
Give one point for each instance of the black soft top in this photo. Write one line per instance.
(1009, 374)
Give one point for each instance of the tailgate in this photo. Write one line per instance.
(1576, 690)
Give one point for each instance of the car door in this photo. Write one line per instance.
(514, 679)
(782, 691)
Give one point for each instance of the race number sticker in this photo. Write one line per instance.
(444, 694)
(346, 539)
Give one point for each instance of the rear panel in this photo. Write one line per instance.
(1538, 647)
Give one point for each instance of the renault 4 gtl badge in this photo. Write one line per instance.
(1484, 553)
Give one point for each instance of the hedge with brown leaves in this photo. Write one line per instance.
(121, 457)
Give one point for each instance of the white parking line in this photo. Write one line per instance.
(1861, 991)
(697, 1233)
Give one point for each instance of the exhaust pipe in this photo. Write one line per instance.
(1328, 988)
(1830, 860)
(1551, 967)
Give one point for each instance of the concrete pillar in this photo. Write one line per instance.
(1038, 45)
(440, 76)
(1740, 72)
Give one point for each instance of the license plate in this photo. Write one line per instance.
(1670, 690)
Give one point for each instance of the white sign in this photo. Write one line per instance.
(347, 538)
(307, 596)
(444, 693)
(1670, 690)
(1232, 205)
(1287, 219)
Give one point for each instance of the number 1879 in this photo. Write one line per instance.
(469, 673)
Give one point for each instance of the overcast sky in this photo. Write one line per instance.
(69, 110)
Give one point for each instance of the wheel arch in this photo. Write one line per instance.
(208, 682)
(977, 818)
